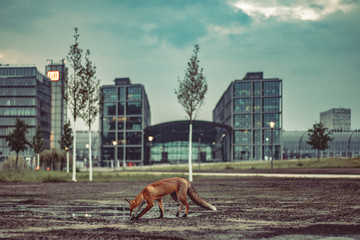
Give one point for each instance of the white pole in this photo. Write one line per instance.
(190, 152)
(74, 154)
(90, 158)
(67, 161)
(38, 161)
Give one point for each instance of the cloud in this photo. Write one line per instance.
(305, 10)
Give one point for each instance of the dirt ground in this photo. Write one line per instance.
(248, 208)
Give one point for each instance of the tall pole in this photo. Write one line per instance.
(150, 138)
(272, 125)
(114, 143)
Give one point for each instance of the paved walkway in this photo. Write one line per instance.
(278, 175)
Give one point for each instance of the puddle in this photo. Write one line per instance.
(101, 211)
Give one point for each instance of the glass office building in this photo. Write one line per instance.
(25, 93)
(125, 114)
(344, 144)
(169, 142)
(336, 119)
(57, 72)
(248, 106)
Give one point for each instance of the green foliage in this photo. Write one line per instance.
(53, 158)
(92, 94)
(319, 137)
(10, 163)
(17, 138)
(73, 93)
(38, 142)
(67, 137)
(192, 90)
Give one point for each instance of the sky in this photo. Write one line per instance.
(312, 45)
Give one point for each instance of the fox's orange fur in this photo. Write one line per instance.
(178, 188)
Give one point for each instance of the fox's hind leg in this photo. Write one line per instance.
(161, 208)
(176, 199)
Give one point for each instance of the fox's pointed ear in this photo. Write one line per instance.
(128, 201)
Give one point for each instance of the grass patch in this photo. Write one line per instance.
(142, 173)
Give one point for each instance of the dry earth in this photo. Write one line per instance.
(248, 208)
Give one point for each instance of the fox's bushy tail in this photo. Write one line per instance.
(195, 197)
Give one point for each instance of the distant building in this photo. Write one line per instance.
(125, 115)
(248, 106)
(336, 119)
(211, 142)
(344, 144)
(57, 72)
(25, 93)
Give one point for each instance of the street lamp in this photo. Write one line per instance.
(150, 138)
(272, 125)
(115, 153)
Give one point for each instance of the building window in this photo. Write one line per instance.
(121, 93)
(257, 121)
(121, 108)
(256, 137)
(271, 88)
(110, 94)
(121, 123)
(133, 108)
(242, 137)
(109, 109)
(108, 153)
(271, 104)
(109, 124)
(134, 123)
(257, 105)
(242, 121)
(242, 152)
(271, 117)
(242, 89)
(133, 138)
(134, 93)
(257, 89)
(133, 153)
(108, 138)
(242, 105)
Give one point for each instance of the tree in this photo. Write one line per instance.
(66, 142)
(93, 96)
(191, 94)
(17, 139)
(319, 137)
(73, 93)
(38, 144)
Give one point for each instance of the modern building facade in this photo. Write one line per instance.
(344, 144)
(82, 149)
(125, 114)
(169, 142)
(57, 72)
(25, 93)
(248, 106)
(336, 119)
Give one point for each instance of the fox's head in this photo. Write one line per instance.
(132, 207)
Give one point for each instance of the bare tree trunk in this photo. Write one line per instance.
(190, 153)
(74, 153)
(90, 158)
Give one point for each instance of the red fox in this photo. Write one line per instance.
(176, 187)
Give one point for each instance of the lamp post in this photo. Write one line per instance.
(67, 160)
(115, 153)
(272, 125)
(150, 138)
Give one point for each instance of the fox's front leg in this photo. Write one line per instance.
(148, 206)
(161, 208)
